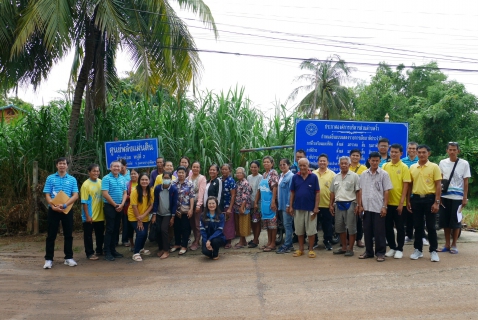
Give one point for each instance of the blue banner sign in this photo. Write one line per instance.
(137, 153)
(338, 138)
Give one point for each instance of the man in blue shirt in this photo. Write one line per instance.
(113, 188)
(410, 160)
(304, 205)
(60, 181)
(383, 146)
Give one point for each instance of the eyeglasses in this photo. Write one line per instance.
(453, 143)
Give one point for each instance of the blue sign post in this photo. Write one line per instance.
(338, 138)
(137, 153)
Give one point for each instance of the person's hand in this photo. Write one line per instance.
(383, 212)
(256, 206)
(357, 210)
(399, 209)
(57, 208)
(273, 206)
(290, 211)
(409, 207)
(119, 208)
(140, 225)
(190, 213)
(435, 208)
(171, 222)
(464, 202)
(332, 210)
(314, 214)
(208, 245)
(198, 210)
(153, 219)
(88, 219)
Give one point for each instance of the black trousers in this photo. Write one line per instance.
(408, 221)
(421, 208)
(182, 230)
(162, 232)
(54, 219)
(113, 220)
(99, 228)
(128, 230)
(216, 243)
(394, 219)
(327, 225)
(374, 226)
(359, 234)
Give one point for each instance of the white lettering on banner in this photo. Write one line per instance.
(141, 147)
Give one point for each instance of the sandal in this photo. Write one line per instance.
(160, 253)
(252, 244)
(215, 258)
(311, 254)
(93, 257)
(380, 259)
(269, 249)
(126, 244)
(173, 249)
(298, 253)
(263, 247)
(194, 247)
(340, 251)
(444, 249)
(137, 257)
(146, 252)
(164, 256)
(364, 256)
(228, 246)
(238, 246)
(454, 250)
(182, 251)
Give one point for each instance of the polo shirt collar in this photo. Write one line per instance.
(396, 164)
(379, 170)
(425, 165)
(113, 176)
(58, 175)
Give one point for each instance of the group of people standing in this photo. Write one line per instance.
(384, 195)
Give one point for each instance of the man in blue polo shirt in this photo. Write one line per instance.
(113, 187)
(304, 205)
(60, 181)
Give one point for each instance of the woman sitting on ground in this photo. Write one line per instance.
(212, 226)
(141, 204)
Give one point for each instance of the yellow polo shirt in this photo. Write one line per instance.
(142, 207)
(399, 173)
(159, 180)
(325, 180)
(358, 169)
(424, 177)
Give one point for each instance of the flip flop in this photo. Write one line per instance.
(364, 256)
(137, 257)
(238, 246)
(269, 249)
(311, 254)
(182, 251)
(444, 249)
(380, 259)
(173, 249)
(298, 253)
(252, 245)
(228, 246)
(194, 247)
(164, 256)
(146, 252)
(454, 250)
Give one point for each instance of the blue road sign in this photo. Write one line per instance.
(137, 153)
(338, 138)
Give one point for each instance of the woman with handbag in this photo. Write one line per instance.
(242, 208)
(199, 185)
(184, 212)
(226, 204)
(141, 204)
(212, 226)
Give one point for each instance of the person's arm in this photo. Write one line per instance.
(108, 198)
(358, 196)
(191, 204)
(202, 230)
(383, 212)
(200, 196)
(258, 198)
(87, 214)
(219, 229)
(233, 200)
(409, 193)
(174, 200)
(436, 204)
(331, 203)
(219, 194)
(73, 198)
(274, 198)
(290, 209)
(316, 207)
(464, 202)
(403, 197)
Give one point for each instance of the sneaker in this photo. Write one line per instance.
(109, 257)
(70, 263)
(434, 256)
(425, 242)
(116, 254)
(398, 255)
(407, 239)
(316, 245)
(291, 249)
(282, 250)
(390, 253)
(48, 264)
(416, 254)
(328, 246)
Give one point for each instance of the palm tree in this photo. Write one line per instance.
(326, 96)
(40, 33)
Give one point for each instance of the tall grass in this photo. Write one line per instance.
(211, 128)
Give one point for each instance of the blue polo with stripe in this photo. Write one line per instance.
(54, 184)
(115, 186)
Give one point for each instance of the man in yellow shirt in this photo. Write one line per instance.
(355, 166)
(424, 201)
(325, 176)
(400, 177)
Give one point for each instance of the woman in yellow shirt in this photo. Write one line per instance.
(141, 203)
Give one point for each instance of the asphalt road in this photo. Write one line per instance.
(242, 284)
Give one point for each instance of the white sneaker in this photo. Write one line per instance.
(434, 256)
(70, 262)
(390, 253)
(398, 255)
(425, 242)
(416, 254)
(48, 264)
(407, 239)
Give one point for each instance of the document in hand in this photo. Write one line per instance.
(459, 214)
(62, 198)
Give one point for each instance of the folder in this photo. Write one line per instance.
(62, 198)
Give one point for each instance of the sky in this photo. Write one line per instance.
(267, 40)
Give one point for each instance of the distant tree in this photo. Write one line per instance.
(327, 96)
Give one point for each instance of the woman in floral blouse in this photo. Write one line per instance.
(228, 197)
(242, 207)
(182, 227)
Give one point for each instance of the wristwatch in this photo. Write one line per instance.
(64, 206)
(437, 201)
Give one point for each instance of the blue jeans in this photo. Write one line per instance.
(141, 235)
(287, 221)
